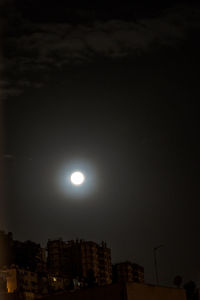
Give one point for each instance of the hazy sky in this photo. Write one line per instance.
(112, 90)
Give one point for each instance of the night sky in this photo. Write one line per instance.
(111, 89)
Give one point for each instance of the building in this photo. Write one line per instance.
(57, 259)
(128, 272)
(105, 267)
(3, 283)
(123, 291)
(29, 255)
(21, 282)
(137, 291)
(138, 273)
(26, 255)
(6, 249)
(85, 260)
(57, 283)
(26, 285)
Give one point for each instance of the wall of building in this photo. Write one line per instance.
(128, 272)
(11, 277)
(8, 297)
(137, 291)
(85, 260)
(29, 254)
(18, 280)
(6, 254)
(111, 292)
(3, 283)
(130, 291)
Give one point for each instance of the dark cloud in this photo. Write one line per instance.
(33, 48)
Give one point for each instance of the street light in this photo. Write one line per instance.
(155, 261)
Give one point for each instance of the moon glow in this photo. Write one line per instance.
(77, 178)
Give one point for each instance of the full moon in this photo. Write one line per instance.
(77, 178)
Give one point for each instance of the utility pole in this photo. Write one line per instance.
(155, 261)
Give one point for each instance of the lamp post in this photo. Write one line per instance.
(155, 261)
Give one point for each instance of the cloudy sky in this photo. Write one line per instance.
(113, 90)
(42, 47)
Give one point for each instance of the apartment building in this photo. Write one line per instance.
(85, 260)
(22, 282)
(6, 249)
(29, 255)
(128, 272)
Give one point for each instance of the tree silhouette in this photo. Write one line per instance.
(191, 290)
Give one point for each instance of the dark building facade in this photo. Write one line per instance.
(128, 272)
(29, 255)
(58, 258)
(126, 291)
(3, 283)
(85, 260)
(6, 249)
(25, 255)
